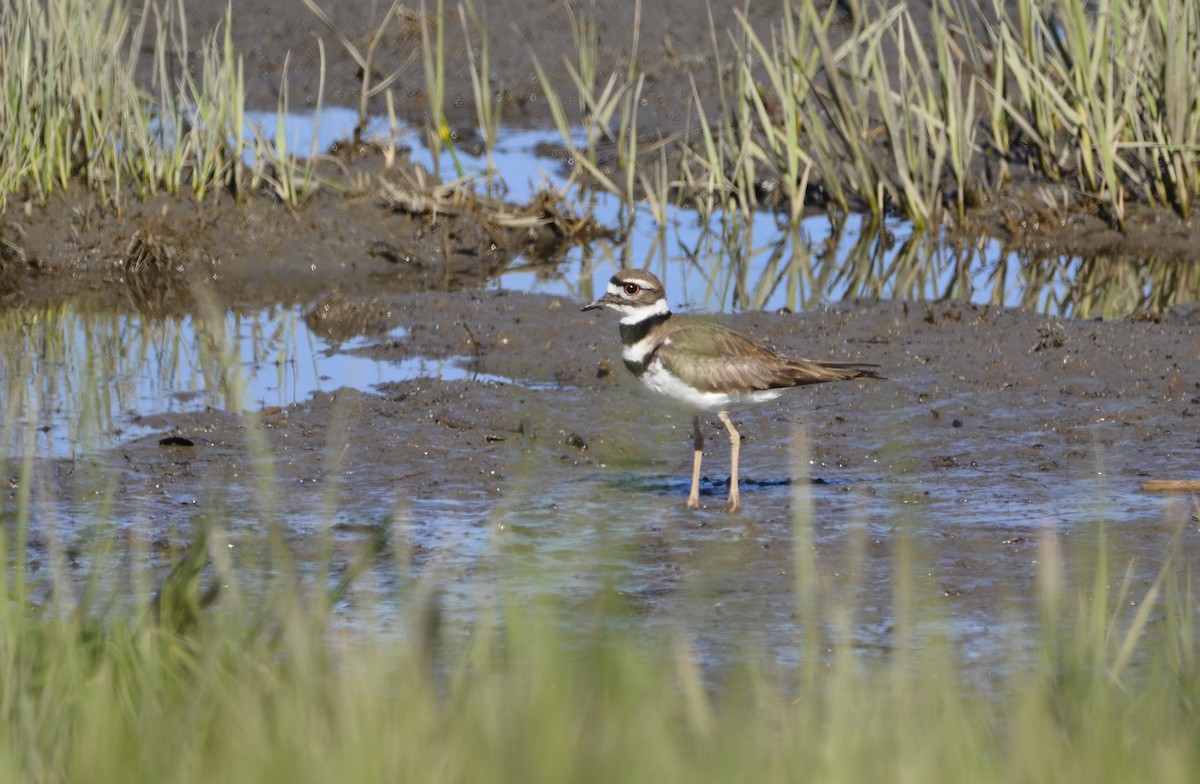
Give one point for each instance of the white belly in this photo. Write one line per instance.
(658, 380)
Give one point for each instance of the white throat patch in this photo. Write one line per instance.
(635, 314)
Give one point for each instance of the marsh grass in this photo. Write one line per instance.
(488, 110)
(1093, 98)
(604, 147)
(369, 86)
(72, 110)
(1094, 95)
(438, 133)
(879, 120)
(883, 122)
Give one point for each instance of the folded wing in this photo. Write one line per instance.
(718, 359)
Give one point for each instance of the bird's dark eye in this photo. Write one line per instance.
(632, 288)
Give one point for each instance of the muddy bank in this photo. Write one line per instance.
(151, 255)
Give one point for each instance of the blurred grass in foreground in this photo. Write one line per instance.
(199, 684)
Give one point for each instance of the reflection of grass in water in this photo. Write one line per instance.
(86, 369)
(202, 674)
(1108, 287)
(864, 259)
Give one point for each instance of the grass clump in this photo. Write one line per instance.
(1099, 91)
(886, 120)
(72, 110)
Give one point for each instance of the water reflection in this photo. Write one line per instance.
(1105, 287)
(730, 261)
(76, 380)
(829, 261)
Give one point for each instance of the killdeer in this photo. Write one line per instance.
(703, 365)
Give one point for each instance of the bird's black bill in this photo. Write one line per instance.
(607, 298)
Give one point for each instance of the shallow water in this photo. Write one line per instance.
(77, 381)
(521, 512)
(726, 263)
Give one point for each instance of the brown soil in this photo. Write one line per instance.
(1000, 430)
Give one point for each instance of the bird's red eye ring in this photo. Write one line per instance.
(632, 288)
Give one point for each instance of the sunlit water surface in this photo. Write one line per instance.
(729, 261)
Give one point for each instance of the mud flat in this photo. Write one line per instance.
(1000, 439)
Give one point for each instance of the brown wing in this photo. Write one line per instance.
(718, 359)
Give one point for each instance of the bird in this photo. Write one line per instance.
(704, 366)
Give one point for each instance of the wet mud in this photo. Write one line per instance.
(999, 439)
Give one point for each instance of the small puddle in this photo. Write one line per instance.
(78, 381)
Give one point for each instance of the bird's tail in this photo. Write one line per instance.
(807, 371)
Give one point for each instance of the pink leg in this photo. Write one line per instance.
(693, 501)
(735, 444)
